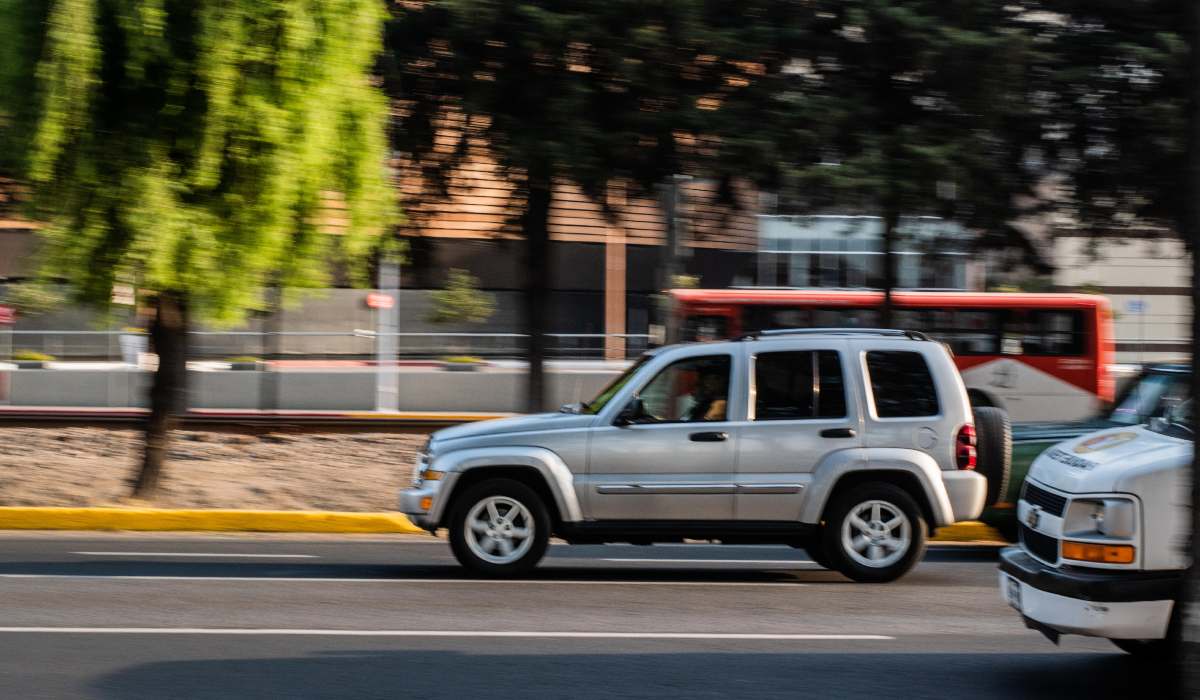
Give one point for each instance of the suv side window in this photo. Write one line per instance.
(901, 384)
(798, 384)
(690, 390)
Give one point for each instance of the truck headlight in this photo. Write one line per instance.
(1109, 517)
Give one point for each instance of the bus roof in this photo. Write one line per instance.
(867, 297)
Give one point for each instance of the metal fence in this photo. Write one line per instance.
(352, 344)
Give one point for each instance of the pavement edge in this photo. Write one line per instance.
(204, 520)
(230, 520)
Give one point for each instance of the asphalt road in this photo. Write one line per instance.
(188, 617)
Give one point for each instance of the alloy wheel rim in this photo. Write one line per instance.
(499, 530)
(876, 534)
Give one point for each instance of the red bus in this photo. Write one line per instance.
(1039, 356)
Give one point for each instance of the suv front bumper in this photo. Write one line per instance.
(1096, 603)
(421, 505)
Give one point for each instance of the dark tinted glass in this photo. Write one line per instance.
(901, 384)
(785, 389)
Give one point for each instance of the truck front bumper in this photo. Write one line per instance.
(1095, 603)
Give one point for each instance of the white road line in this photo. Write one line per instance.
(221, 555)
(442, 633)
(486, 582)
(756, 562)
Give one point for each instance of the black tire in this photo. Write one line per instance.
(993, 451)
(816, 551)
(839, 510)
(505, 488)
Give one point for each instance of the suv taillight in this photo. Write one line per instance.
(964, 451)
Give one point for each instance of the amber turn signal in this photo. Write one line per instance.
(427, 503)
(1102, 553)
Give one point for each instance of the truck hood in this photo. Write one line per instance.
(518, 424)
(1109, 460)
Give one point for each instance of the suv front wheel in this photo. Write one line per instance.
(499, 527)
(873, 533)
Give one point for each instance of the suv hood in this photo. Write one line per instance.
(517, 424)
(1109, 460)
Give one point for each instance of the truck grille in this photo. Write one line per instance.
(1052, 503)
(1043, 547)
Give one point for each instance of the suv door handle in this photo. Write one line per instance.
(838, 433)
(709, 437)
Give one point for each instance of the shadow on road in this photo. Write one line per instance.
(456, 674)
(384, 571)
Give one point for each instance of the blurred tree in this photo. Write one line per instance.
(461, 301)
(913, 107)
(595, 93)
(200, 150)
(20, 46)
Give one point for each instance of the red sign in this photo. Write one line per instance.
(379, 300)
(7, 314)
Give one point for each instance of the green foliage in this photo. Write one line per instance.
(209, 148)
(461, 301)
(913, 107)
(594, 91)
(25, 355)
(34, 298)
(1113, 87)
(463, 360)
(20, 46)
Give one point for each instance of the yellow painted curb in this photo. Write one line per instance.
(972, 531)
(18, 518)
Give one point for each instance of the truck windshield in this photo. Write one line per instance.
(1149, 398)
(1176, 421)
(606, 394)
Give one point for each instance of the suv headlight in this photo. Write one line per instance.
(1104, 517)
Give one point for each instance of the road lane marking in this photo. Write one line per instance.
(198, 554)
(327, 579)
(712, 561)
(444, 633)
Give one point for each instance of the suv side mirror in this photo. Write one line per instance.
(632, 413)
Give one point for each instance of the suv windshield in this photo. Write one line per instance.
(606, 394)
(1176, 422)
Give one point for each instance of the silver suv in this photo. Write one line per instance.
(851, 444)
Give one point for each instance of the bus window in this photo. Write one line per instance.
(705, 328)
(967, 332)
(1048, 332)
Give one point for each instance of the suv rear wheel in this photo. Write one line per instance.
(873, 533)
(499, 527)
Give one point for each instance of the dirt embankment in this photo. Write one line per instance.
(276, 471)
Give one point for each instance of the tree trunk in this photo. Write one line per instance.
(535, 228)
(891, 219)
(168, 338)
(1188, 651)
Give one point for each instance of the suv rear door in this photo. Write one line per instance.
(801, 408)
(913, 397)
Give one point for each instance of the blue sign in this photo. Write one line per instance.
(1135, 306)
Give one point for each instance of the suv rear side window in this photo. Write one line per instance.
(901, 384)
(785, 388)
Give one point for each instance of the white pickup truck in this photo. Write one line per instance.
(1104, 522)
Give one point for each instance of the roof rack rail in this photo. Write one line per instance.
(892, 332)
